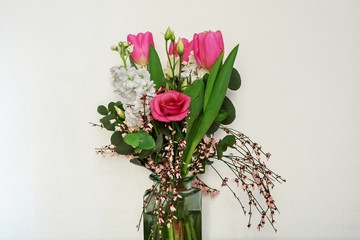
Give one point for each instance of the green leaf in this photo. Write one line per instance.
(229, 108)
(212, 108)
(145, 153)
(211, 80)
(106, 122)
(137, 162)
(235, 80)
(159, 142)
(228, 140)
(196, 92)
(222, 115)
(157, 158)
(116, 138)
(214, 127)
(219, 151)
(161, 127)
(178, 131)
(132, 63)
(102, 110)
(111, 106)
(140, 139)
(155, 68)
(124, 149)
(121, 147)
(207, 161)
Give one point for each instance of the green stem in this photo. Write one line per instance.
(171, 232)
(167, 53)
(193, 233)
(179, 84)
(188, 231)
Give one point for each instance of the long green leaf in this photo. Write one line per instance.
(196, 92)
(212, 108)
(155, 68)
(211, 80)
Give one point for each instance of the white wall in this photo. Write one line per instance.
(300, 97)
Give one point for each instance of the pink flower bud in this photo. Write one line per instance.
(141, 43)
(207, 48)
(188, 47)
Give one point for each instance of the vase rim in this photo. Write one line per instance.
(155, 177)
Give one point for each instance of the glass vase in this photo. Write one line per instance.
(185, 213)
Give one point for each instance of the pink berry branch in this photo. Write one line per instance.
(250, 172)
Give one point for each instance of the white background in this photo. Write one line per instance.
(300, 65)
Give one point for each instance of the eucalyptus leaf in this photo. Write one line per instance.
(145, 153)
(136, 161)
(102, 110)
(214, 127)
(111, 106)
(228, 140)
(116, 138)
(140, 139)
(124, 149)
(222, 115)
(229, 108)
(235, 80)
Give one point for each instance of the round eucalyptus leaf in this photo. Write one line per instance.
(102, 110)
(235, 80)
(228, 107)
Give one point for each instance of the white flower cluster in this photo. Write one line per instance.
(191, 69)
(135, 89)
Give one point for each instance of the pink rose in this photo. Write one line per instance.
(207, 48)
(170, 106)
(188, 47)
(141, 43)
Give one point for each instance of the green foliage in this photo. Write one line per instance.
(102, 110)
(196, 92)
(211, 80)
(155, 68)
(106, 122)
(212, 108)
(235, 80)
(140, 139)
(120, 146)
(160, 127)
(223, 144)
(159, 142)
(228, 108)
(213, 128)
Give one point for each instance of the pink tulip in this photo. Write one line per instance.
(188, 47)
(141, 43)
(170, 106)
(207, 48)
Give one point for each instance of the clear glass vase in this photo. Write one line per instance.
(186, 219)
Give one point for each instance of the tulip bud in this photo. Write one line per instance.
(180, 47)
(119, 112)
(172, 36)
(168, 34)
(184, 83)
(114, 48)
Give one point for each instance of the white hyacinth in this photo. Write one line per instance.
(135, 89)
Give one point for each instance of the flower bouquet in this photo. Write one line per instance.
(165, 121)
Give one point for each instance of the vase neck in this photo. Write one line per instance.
(181, 184)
